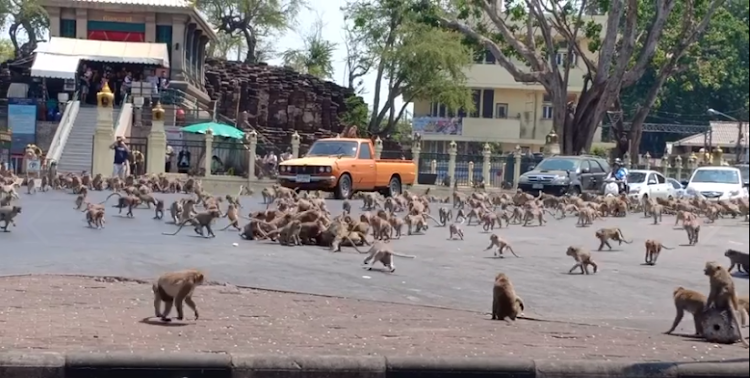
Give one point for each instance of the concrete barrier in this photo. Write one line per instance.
(216, 365)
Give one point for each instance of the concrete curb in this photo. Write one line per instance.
(215, 365)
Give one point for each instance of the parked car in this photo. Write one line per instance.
(649, 184)
(560, 175)
(344, 166)
(716, 183)
(679, 188)
(744, 172)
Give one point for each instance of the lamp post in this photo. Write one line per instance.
(738, 145)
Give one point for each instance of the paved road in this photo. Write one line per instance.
(53, 238)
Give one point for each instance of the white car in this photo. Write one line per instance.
(679, 190)
(649, 184)
(716, 183)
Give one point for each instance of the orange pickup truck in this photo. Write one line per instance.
(344, 166)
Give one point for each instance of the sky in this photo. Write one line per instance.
(333, 30)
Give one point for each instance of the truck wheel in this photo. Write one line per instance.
(574, 191)
(344, 187)
(394, 187)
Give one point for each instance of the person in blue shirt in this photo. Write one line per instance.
(620, 174)
(121, 157)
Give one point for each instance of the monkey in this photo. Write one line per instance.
(10, 190)
(347, 207)
(287, 235)
(738, 259)
(7, 213)
(445, 215)
(268, 195)
(416, 221)
(683, 215)
(722, 295)
(5, 200)
(501, 244)
(188, 209)
(381, 229)
(745, 304)
(397, 226)
(605, 234)
(534, 213)
(79, 202)
(95, 217)
(489, 221)
(245, 191)
(456, 230)
(692, 227)
(199, 221)
(586, 217)
(128, 201)
(232, 200)
(653, 248)
(583, 260)
(176, 287)
(505, 303)
(175, 211)
(159, 209)
(234, 218)
(382, 252)
(692, 302)
(310, 231)
(656, 211)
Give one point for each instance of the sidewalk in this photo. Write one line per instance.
(69, 314)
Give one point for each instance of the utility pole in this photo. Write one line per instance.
(738, 144)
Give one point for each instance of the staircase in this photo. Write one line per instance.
(78, 151)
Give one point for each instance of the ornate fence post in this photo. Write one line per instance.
(665, 164)
(626, 159)
(295, 145)
(452, 151)
(471, 173)
(647, 157)
(678, 165)
(378, 147)
(416, 150)
(252, 138)
(517, 155)
(486, 155)
(157, 141)
(433, 167)
(208, 156)
(104, 134)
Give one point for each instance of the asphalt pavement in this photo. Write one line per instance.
(53, 238)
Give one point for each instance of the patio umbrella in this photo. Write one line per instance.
(219, 129)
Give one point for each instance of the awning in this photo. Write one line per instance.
(54, 66)
(108, 51)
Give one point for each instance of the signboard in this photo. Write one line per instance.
(437, 125)
(22, 123)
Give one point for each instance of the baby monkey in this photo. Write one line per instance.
(176, 287)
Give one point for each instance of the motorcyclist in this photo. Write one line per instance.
(620, 174)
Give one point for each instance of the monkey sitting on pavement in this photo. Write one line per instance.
(723, 295)
(174, 288)
(505, 303)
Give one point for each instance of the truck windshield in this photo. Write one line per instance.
(333, 148)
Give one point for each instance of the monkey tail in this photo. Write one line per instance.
(622, 237)
(402, 255)
(110, 196)
(667, 248)
(435, 220)
(180, 228)
(354, 245)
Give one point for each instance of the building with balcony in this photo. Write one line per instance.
(506, 113)
(174, 23)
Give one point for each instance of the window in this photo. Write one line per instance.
(636, 177)
(585, 166)
(476, 96)
(489, 58)
(547, 110)
(675, 184)
(332, 147)
(651, 179)
(438, 110)
(488, 99)
(558, 164)
(660, 179)
(595, 167)
(561, 58)
(364, 151)
(68, 28)
(501, 110)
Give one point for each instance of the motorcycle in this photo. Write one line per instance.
(614, 187)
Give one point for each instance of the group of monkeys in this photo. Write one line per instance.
(293, 218)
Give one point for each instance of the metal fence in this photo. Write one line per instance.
(229, 158)
(188, 155)
(138, 155)
(396, 154)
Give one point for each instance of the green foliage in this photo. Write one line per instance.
(356, 113)
(600, 151)
(226, 44)
(257, 21)
(316, 55)
(6, 50)
(27, 21)
(414, 60)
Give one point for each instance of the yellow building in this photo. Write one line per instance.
(507, 113)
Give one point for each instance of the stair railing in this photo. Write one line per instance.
(125, 119)
(63, 129)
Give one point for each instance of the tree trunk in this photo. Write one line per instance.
(12, 30)
(636, 126)
(251, 42)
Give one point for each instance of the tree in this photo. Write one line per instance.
(358, 60)
(535, 31)
(412, 60)
(224, 45)
(6, 50)
(254, 20)
(316, 55)
(26, 17)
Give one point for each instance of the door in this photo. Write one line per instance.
(585, 176)
(651, 185)
(598, 173)
(662, 186)
(364, 169)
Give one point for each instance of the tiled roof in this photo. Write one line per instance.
(724, 135)
(153, 3)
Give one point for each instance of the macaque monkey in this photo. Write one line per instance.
(174, 288)
(723, 295)
(455, 229)
(583, 260)
(606, 234)
(199, 221)
(7, 213)
(159, 210)
(383, 253)
(505, 303)
(740, 260)
(501, 244)
(692, 302)
(653, 249)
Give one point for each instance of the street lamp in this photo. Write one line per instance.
(738, 145)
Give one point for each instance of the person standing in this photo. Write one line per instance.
(168, 159)
(121, 157)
